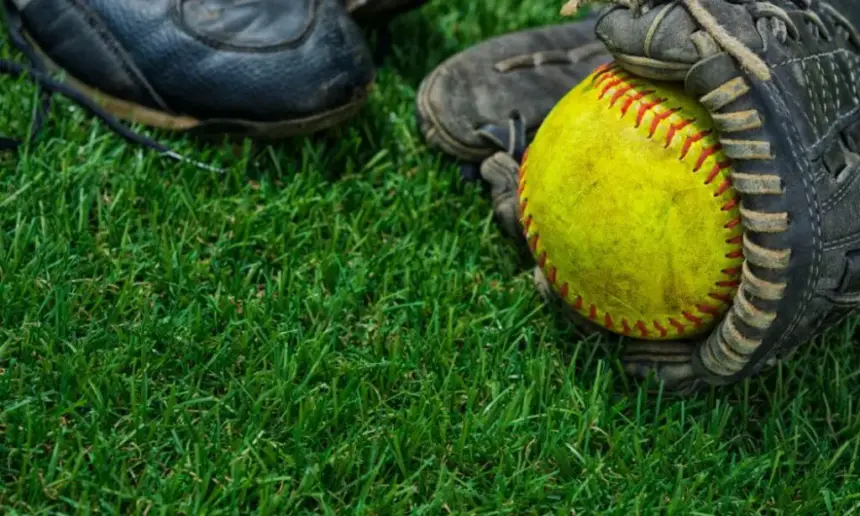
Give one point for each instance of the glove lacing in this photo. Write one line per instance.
(781, 24)
(737, 348)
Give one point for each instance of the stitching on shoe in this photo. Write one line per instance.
(606, 78)
(93, 20)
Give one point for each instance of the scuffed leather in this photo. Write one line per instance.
(810, 108)
(811, 113)
(248, 23)
(670, 40)
(146, 52)
(500, 172)
(468, 91)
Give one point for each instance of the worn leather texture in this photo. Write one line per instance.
(249, 24)
(261, 60)
(663, 33)
(527, 71)
(781, 82)
(788, 111)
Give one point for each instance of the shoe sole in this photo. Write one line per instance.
(135, 113)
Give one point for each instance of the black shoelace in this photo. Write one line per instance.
(48, 86)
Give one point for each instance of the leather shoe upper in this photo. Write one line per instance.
(262, 60)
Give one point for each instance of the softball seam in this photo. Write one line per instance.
(681, 323)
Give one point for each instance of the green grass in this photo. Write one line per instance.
(337, 326)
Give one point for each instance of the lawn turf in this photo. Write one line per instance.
(338, 326)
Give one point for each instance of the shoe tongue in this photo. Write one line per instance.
(248, 23)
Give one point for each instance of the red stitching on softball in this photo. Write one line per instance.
(733, 223)
(618, 94)
(678, 326)
(708, 309)
(674, 128)
(542, 260)
(707, 153)
(608, 87)
(724, 186)
(630, 100)
(644, 108)
(603, 68)
(659, 118)
(692, 318)
(602, 75)
(691, 140)
(718, 167)
(606, 73)
(725, 298)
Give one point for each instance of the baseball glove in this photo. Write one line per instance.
(780, 80)
(526, 71)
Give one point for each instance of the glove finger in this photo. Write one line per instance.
(671, 362)
(792, 132)
(500, 172)
(665, 41)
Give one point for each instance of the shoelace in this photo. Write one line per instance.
(48, 86)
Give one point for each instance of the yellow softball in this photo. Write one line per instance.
(628, 207)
